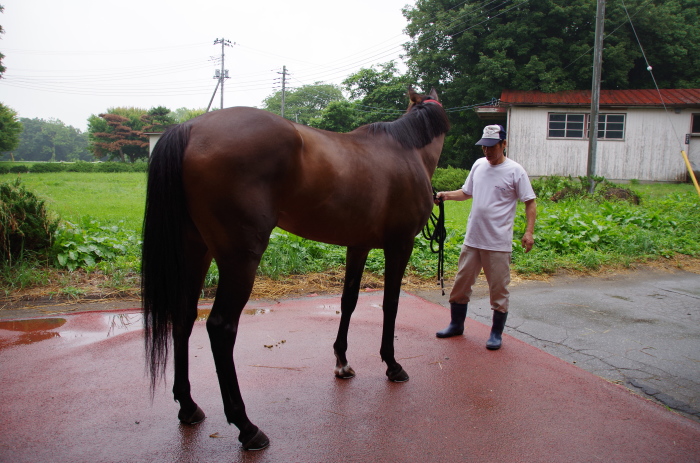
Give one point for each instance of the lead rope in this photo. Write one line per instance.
(437, 234)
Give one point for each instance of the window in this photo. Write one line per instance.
(695, 128)
(565, 125)
(571, 125)
(611, 126)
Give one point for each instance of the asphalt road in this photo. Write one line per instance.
(74, 388)
(639, 329)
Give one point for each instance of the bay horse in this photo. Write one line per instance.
(220, 183)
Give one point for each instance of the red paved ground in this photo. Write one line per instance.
(73, 389)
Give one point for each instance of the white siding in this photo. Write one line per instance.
(693, 151)
(152, 140)
(650, 151)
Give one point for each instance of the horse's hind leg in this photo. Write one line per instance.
(396, 257)
(196, 265)
(236, 276)
(354, 266)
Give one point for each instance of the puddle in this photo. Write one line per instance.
(89, 328)
(203, 313)
(83, 328)
(106, 326)
(32, 325)
(31, 331)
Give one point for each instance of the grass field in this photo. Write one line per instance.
(106, 197)
(106, 213)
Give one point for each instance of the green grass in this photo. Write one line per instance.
(109, 198)
(102, 216)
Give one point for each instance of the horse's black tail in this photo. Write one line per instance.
(162, 259)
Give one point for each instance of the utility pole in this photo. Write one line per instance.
(222, 74)
(284, 82)
(595, 93)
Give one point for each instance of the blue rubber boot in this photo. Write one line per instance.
(456, 326)
(499, 322)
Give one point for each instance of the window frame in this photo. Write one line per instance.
(695, 123)
(568, 119)
(585, 135)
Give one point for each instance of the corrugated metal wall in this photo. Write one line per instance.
(651, 150)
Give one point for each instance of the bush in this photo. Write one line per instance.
(25, 224)
(112, 167)
(449, 179)
(45, 167)
(566, 189)
(4, 170)
(81, 166)
(19, 169)
(139, 166)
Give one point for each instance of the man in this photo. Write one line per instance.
(495, 184)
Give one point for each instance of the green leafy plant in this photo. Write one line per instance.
(83, 246)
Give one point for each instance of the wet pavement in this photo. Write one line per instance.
(638, 329)
(74, 387)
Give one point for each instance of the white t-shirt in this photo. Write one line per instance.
(495, 192)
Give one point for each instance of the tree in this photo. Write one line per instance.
(181, 115)
(118, 134)
(157, 119)
(304, 103)
(10, 129)
(472, 50)
(51, 140)
(379, 93)
(376, 94)
(338, 116)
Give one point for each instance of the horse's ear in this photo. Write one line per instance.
(412, 95)
(433, 94)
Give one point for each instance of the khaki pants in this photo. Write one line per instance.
(496, 267)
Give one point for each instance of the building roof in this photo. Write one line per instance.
(647, 98)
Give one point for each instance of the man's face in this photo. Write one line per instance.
(494, 154)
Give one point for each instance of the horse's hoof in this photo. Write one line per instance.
(345, 372)
(258, 442)
(194, 418)
(399, 376)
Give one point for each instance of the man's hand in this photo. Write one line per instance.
(456, 195)
(530, 215)
(527, 241)
(439, 198)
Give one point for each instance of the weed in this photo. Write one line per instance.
(72, 292)
(83, 246)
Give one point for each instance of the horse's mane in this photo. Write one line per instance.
(416, 128)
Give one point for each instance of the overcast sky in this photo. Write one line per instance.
(69, 59)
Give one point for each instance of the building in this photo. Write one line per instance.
(153, 138)
(640, 132)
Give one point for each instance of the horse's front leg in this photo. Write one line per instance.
(396, 258)
(354, 266)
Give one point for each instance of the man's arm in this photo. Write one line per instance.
(530, 214)
(456, 195)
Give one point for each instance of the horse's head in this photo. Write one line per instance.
(416, 98)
